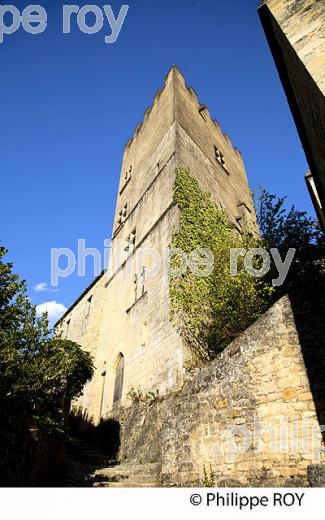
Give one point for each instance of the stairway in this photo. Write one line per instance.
(127, 475)
(84, 460)
(92, 468)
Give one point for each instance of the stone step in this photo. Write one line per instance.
(125, 470)
(85, 451)
(118, 478)
(127, 475)
(127, 483)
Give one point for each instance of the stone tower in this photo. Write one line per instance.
(123, 317)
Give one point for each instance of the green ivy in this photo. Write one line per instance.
(211, 311)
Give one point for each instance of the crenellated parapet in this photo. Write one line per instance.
(175, 80)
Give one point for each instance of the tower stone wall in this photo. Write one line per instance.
(123, 318)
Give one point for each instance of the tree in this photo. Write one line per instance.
(212, 310)
(283, 229)
(40, 374)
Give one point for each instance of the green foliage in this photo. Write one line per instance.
(212, 310)
(284, 229)
(138, 395)
(39, 374)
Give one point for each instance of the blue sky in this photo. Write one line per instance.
(69, 103)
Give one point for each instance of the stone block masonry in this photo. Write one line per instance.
(123, 318)
(248, 417)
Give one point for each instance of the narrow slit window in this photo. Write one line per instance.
(139, 284)
(119, 377)
(89, 300)
(67, 327)
(130, 242)
(122, 215)
(127, 175)
(219, 156)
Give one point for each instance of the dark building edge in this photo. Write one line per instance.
(266, 16)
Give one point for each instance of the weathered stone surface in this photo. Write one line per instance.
(316, 475)
(249, 417)
(269, 443)
(110, 319)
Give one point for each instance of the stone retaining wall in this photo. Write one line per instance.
(248, 417)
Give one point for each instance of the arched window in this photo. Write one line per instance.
(119, 374)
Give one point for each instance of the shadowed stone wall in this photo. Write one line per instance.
(295, 30)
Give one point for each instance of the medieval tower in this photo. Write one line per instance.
(123, 318)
